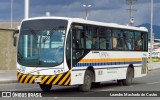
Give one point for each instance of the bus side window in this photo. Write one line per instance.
(108, 39)
(129, 40)
(88, 36)
(95, 39)
(118, 39)
(138, 41)
(102, 38)
(95, 42)
(103, 43)
(78, 40)
(144, 41)
(114, 43)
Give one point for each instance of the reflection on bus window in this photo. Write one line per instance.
(104, 38)
(108, 39)
(95, 38)
(118, 37)
(88, 38)
(95, 43)
(138, 41)
(129, 40)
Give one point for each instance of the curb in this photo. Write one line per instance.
(8, 81)
(152, 69)
(154, 66)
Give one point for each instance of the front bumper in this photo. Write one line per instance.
(59, 79)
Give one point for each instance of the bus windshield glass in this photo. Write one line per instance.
(41, 42)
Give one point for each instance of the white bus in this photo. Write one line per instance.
(72, 51)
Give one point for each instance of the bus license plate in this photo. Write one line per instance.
(37, 80)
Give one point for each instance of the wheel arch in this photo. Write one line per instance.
(131, 66)
(93, 71)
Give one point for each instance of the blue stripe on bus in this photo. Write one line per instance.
(105, 63)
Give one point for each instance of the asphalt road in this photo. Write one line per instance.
(149, 83)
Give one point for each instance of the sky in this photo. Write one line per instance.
(112, 11)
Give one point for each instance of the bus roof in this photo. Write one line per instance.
(80, 20)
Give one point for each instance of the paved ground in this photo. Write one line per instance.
(11, 76)
(8, 77)
(154, 65)
(149, 83)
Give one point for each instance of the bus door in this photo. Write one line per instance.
(77, 43)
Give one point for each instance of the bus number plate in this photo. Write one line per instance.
(37, 80)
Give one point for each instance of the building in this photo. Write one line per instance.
(156, 45)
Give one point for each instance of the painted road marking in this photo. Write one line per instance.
(25, 89)
(153, 83)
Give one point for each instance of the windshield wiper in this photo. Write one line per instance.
(52, 31)
(48, 36)
(34, 34)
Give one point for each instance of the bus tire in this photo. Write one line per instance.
(45, 87)
(88, 77)
(120, 82)
(129, 77)
(96, 84)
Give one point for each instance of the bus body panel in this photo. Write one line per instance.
(77, 77)
(102, 75)
(108, 65)
(40, 70)
(110, 74)
(138, 72)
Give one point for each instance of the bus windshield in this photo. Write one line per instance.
(41, 42)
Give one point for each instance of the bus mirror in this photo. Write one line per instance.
(15, 38)
(14, 41)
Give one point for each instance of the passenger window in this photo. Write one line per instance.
(95, 39)
(138, 41)
(102, 43)
(129, 40)
(88, 36)
(102, 37)
(144, 42)
(141, 41)
(95, 42)
(108, 39)
(118, 39)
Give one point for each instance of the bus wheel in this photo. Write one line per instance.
(120, 82)
(45, 87)
(96, 84)
(129, 77)
(88, 77)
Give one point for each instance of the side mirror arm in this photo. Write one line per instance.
(14, 37)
